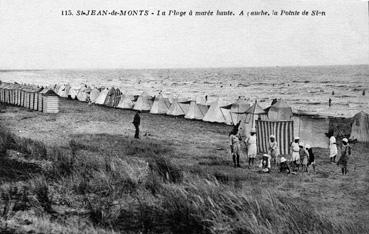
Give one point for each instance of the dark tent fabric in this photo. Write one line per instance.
(282, 130)
(113, 97)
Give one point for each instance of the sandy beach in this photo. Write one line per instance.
(199, 149)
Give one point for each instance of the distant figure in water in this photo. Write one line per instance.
(330, 102)
(364, 92)
(332, 93)
(136, 122)
(206, 98)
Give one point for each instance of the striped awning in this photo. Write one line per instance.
(282, 130)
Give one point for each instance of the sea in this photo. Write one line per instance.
(305, 88)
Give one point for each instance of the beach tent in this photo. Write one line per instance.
(127, 101)
(280, 111)
(238, 110)
(178, 108)
(253, 113)
(118, 95)
(160, 106)
(73, 91)
(113, 97)
(94, 94)
(282, 130)
(144, 102)
(83, 93)
(63, 91)
(360, 127)
(102, 96)
(312, 129)
(196, 111)
(217, 114)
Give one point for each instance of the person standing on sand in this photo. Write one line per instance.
(251, 146)
(345, 153)
(295, 148)
(273, 149)
(332, 149)
(136, 122)
(234, 142)
(311, 157)
(304, 157)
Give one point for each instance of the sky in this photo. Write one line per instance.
(34, 35)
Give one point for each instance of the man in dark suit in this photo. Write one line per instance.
(136, 123)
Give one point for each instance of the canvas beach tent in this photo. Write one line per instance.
(113, 97)
(109, 100)
(94, 94)
(217, 114)
(255, 112)
(144, 102)
(63, 90)
(73, 91)
(238, 110)
(102, 96)
(312, 129)
(127, 101)
(160, 106)
(83, 93)
(280, 111)
(360, 127)
(179, 107)
(196, 111)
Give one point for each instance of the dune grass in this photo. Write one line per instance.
(135, 188)
(176, 181)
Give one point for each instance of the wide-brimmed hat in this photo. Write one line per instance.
(297, 138)
(283, 159)
(345, 140)
(307, 146)
(266, 155)
(253, 130)
(272, 136)
(301, 144)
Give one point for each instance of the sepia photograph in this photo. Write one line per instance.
(162, 116)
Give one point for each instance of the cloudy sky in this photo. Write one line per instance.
(34, 35)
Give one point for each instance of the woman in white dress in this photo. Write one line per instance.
(332, 148)
(251, 147)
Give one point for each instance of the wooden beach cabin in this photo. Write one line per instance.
(50, 101)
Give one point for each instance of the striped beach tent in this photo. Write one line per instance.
(282, 130)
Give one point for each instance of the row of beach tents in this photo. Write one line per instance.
(311, 127)
(278, 119)
(216, 111)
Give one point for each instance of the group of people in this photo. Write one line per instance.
(302, 155)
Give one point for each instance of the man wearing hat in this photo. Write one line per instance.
(295, 148)
(273, 148)
(345, 153)
(251, 146)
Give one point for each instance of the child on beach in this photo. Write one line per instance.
(273, 149)
(251, 147)
(311, 157)
(345, 153)
(304, 157)
(295, 154)
(234, 143)
(283, 166)
(265, 163)
(332, 149)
